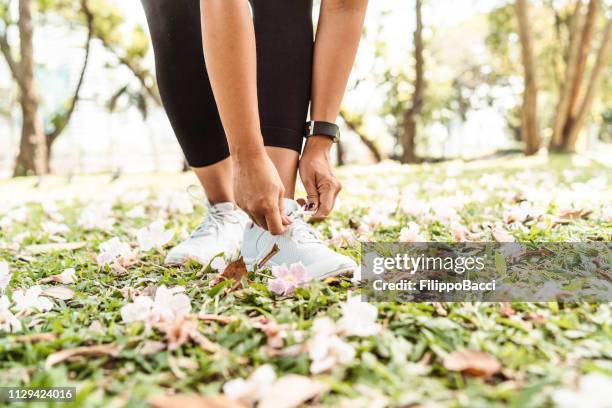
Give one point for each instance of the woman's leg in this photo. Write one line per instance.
(284, 41)
(284, 37)
(186, 93)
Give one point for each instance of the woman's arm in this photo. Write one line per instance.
(228, 38)
(336, 43)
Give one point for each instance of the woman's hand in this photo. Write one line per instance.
(321, 185)
(259, 191)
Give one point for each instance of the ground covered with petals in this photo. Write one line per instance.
(86, 301)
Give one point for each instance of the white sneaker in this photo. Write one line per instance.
(221, 231)
(299, 243)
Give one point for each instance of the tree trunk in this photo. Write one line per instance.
(63, 124)
(583, 52)
(354, 126)
(339, 153)
(573, 107)
(530, 95)
(32, 158)
(592, 89)
(410, 125)
(571, 63)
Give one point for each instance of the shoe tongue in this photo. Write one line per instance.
(224, 206)
(290, 206)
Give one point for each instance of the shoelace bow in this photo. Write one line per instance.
(299, 228)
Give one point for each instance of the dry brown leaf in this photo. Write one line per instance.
(34, 338)
(59, 292)
(59, 278)
(501, 235)
(194, 401)
(216, 318)
(274, 332)
(151, 347)
(110, 350)
(16, 373)
(292, 391)
(572, 214)
(506, 310)
(332, 281)
(537, 318)
(203, 342)
(177, 332)
(177, 364)
(519, 197)
(354, 224)
(181, 330)
(472, 362)
(235, 270)
(440, 310)
(46, 248)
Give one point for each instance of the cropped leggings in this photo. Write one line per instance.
(284, 37)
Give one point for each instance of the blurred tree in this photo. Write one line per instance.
(529, 114)
(103, 22)
(575, 104)
(33, 157)
(355, 125)
(570, 76)
(418, 95)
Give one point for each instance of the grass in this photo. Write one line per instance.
(542, 347)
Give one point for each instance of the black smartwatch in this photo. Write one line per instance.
(318, 128)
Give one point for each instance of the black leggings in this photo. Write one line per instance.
(284, 36)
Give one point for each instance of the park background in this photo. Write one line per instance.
(463, 121)
(453, 88)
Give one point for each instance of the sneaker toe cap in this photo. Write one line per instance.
(340, 265)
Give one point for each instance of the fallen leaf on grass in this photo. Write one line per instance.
(274, 332)
(151, 347)
(235, 270)
(110, 350)
(59, 292)
(519, 197)
(501, 235)
(46, 248)
(194, 401)
(354, 224)
(572, 214)
(216, 318)
(177, 364)
(472, 362)
(506, 310)
(440, 310)
(34, 338)
(332, 281)
(180, 330)
(66, 277)
(292, 391)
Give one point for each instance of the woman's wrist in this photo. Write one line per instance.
(318, 144)
(249, 153)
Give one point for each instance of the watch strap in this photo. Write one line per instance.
(321, 128)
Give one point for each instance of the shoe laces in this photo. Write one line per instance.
(300, 230)
(214, 220)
